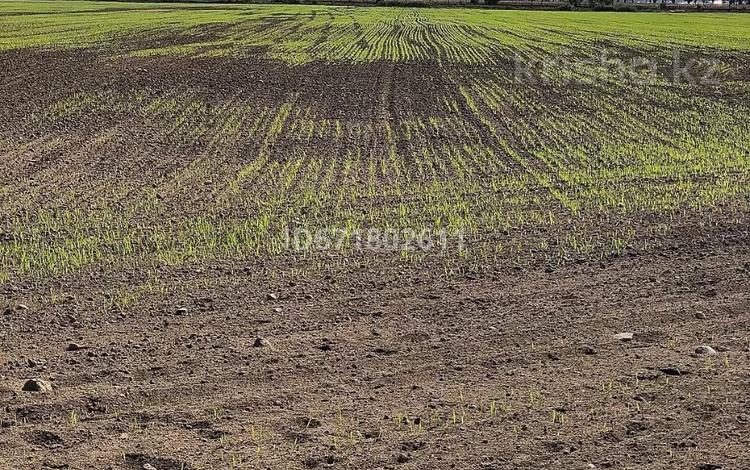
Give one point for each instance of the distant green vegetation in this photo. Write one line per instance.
(299, 34)
(575, 162)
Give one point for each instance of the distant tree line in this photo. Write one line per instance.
(606, 4)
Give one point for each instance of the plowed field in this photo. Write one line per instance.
(254, 236)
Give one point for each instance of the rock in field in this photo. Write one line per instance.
(627, 336)
(37, 385)
(705, 349)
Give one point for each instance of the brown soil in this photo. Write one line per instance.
(390, 368)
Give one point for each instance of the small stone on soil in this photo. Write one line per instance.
(37, 385)
(272, 297)
(73, 347)
(705, 349)
(627, 336)
(181, 311)
(260, 343)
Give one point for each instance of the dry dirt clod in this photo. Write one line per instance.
(588, 350)
(673, 371)
(402, 458)
(325, 346)
(307, 422)
(37, 385)
(626, 336)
